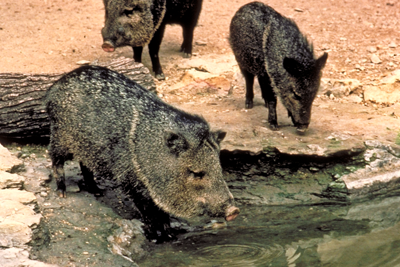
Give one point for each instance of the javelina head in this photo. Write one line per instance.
(302, 90)
(192, 183)
(127, 22)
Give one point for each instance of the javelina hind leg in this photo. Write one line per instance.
(137, 54)
(59, 175)
(154, 48)
(269, 97)
(249, 78)
(187, 45)
(90, 184)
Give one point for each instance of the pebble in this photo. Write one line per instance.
(375, 59)
(83, 62)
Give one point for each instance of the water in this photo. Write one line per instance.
(363, 234)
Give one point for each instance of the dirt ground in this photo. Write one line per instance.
(47, 36)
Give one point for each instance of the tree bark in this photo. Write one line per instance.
(22, 111)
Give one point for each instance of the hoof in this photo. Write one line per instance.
(61, 193)
(160, 76)
(273, 127)
(301, 129)
(187, 55)
(249, 104)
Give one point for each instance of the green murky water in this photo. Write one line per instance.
(362, 234)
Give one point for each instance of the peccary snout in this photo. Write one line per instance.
(108, 46)
(231, 213)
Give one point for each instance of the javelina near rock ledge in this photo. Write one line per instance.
(271, 47)
(166, 159)
(140, 22)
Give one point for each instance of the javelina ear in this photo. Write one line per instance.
(175, 142)
(320, 64)
(292, 66)
(219, 135)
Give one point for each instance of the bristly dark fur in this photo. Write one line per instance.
(118, 130)
(271, 47)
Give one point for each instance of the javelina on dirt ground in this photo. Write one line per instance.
(166, 159)
(140, 22)
(271, 47)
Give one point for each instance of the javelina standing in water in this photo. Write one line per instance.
(140, 22)
(271, 47)
(166, 159)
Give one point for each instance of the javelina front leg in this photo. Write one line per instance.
(269, 97)
(157, 222)
(90, 184)
(249, 78)
(137, 54)
(154, 48)
(59, 175)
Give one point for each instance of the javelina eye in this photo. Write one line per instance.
(128, 11)
(197, 175)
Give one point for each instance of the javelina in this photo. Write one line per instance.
(271, 47)
(140, 22)
(166, 159)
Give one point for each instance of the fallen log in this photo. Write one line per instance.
(22, 111)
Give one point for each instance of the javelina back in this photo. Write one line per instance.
(166, 159)
(140, 22)
(271, 47)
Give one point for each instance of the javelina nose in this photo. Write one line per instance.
(108, 46)
(232, 213)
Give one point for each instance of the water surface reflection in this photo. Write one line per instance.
(361, 234)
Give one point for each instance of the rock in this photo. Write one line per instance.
(202, 82)
(13, 257)
(340, 88)
(21, 196)
(371, 49)
(7, 161)
(83, 62)
(392, 78)
(385, 93)
(200, 43)
(388, 91)
(354, 99)
(10, 180)
(375, 59)
(219, 65)
(128, 240)
(317, 149)
(380, 176)
(392, 45)
(16, 218)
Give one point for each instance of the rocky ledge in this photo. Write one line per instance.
(19, 216)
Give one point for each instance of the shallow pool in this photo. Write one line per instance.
(361, 234)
